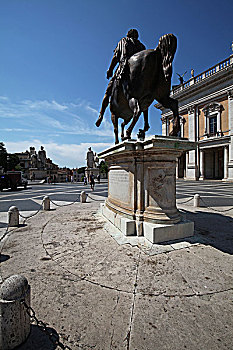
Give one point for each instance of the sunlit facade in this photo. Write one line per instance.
(206, 111)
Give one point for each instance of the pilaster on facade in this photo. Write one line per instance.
(230, 118)
(164, 126)
(226, 162)
(202, 168)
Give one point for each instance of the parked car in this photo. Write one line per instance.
(12, 179)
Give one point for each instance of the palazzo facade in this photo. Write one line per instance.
(206, 112)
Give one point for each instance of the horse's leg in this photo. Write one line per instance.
(171, 103)
(115, 125)
(134, 105)
(122, 130)
(146, 123)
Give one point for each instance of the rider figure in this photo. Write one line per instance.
(126, 48)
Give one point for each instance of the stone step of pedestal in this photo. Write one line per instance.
(154, 233)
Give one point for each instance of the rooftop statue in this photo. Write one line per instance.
(181, 78)
(142, 76)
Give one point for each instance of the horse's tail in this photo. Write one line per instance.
(167, 46)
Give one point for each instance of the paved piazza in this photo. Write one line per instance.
(100, 292)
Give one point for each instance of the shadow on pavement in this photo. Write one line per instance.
(3, 224)
(210, 228)
(4, 257)
(38, 340)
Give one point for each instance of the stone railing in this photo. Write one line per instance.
(206, 74)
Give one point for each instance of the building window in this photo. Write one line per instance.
(212, 113)
(213, 125)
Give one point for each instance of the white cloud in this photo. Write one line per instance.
(93, 110)
(15, 130)
(69, 155)
(3, 98)
(51, 116)
(44, 104)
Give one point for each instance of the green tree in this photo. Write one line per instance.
(12, 162)
(81, 170)
(3, 156)
(103, 167)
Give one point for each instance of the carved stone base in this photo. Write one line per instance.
(142, 187)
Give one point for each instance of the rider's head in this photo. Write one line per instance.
(132, 33)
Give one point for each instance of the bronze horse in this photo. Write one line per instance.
(147, 77)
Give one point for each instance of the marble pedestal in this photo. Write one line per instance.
(142, 188)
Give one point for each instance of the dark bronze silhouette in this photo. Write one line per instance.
(126, 48)
(181, 78)
(146, 77)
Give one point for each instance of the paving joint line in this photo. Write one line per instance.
(128, 336)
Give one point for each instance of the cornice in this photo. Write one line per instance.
(228, 91)
(220, 77)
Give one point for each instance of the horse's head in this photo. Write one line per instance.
(167, 46)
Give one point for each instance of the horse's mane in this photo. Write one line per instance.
(167, 46)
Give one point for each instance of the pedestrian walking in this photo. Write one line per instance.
(92, 181)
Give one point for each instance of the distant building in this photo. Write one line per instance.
(37, 166)
(206, 111)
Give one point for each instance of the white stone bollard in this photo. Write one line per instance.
(13, 216)
(196, 202)
(46, 203)
(83, 197)
(14, 320)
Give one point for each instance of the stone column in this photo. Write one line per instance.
(201, 165)
(226, 159)
(191, 166)
(230, 118)
(197, 163)
(216, 165)
(186, 164)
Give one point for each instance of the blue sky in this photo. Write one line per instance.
(55, 54)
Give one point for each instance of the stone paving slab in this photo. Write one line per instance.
(182, 323)
(98, 291)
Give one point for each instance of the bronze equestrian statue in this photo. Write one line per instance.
(146, 76)
(126, 48)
